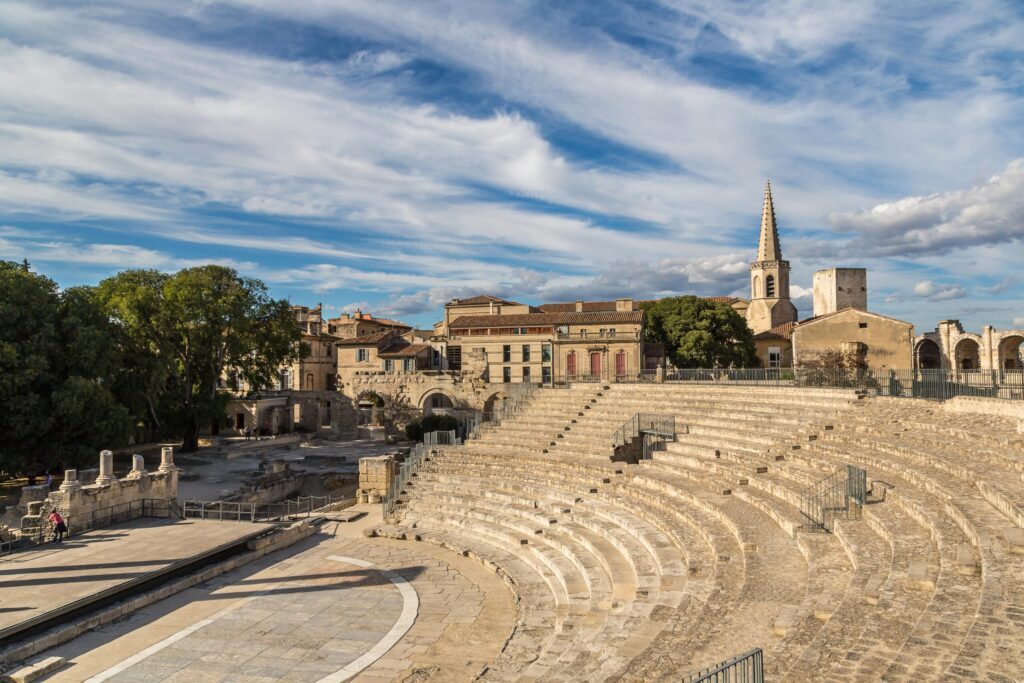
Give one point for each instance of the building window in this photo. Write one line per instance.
(570, 364)
(388, 365)
(309, 382)
(526, 373)
(325, 415)
(602, 332)
(332, 382)
(407, 365)
(862, 326)
(774, 357)
(506, 375)
(620, 364)
(506, 354)
(769, 286)
(285, 380)
(362, 355)
(545, 374)
(526, 353)
(545, 353)
(611, 331)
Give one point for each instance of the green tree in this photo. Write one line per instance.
(698, 333)
(57, 375)
(189, 330)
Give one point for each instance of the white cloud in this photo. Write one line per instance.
(927, 289)
(988, 213)
(1018, 322)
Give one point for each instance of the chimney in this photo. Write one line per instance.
(623, 305)
(579, 306)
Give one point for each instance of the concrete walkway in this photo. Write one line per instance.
(53, 576)
(334, 607)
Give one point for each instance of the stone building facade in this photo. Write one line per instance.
(877, 341)
(950, 346)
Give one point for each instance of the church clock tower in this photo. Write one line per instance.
(769, 276)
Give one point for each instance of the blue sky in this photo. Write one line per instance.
(391, 155)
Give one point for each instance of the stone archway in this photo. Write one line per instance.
(928, 355)
(494, 402)
(369, 409)
(968, 354)
(437, 402)
(1011, 353)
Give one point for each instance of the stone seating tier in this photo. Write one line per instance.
(645, 571)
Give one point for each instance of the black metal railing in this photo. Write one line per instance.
(938, 385)
(654, 424)
(745, 668)
(236, 511)
(838, 496)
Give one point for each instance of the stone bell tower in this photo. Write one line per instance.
(769, 276)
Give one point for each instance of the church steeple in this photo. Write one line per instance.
(768, 249)
(769, 276)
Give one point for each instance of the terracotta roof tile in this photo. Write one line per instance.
(783, 331)
(483, 299)
(543, 319)
(404, 351)
(366, 339)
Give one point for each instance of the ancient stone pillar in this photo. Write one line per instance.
(106, 477)
(138, 467)
(660, 374)
(167, 459)
(71, 482)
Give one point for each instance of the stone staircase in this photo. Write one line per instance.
(649, 571)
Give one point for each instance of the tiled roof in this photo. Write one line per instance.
(542, 319)
(404, 351)
(783, 331)
(482, 299)
(594, 306)
(366, 339)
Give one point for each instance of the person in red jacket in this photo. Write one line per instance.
(59, 527)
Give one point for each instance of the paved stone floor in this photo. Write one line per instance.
(334, 607)
(44, 579)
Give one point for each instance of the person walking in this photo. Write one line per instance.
(59, 527)
(248, 432)
(49, 481)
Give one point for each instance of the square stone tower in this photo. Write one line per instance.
(839, 288)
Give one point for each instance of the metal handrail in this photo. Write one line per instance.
(745, 668)
(237, 511)
(417, 455)
(645, 423)
(838, 496)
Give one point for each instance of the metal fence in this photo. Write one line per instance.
(745, 668)
(417, 455)
(235, 511)
(655, 424)
(838, 496)
(441, 438)
(930, 384)
(96, 519)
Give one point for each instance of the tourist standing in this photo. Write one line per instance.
(59, 527)
(248, 432)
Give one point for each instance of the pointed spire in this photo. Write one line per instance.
(768, 249)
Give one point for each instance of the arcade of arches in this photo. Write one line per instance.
(951, 347)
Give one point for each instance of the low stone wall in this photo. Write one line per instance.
(77, 502)
(988, 406)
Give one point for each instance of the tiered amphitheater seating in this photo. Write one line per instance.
(649, 571)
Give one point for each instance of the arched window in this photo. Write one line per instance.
(757, 286)
(570, 364)
(769, 286)
(309, 382)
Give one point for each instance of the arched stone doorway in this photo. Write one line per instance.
(1011, 353)
(370, 409)
(437, 403)
(928, 355)
(968, 355)
(494, 402)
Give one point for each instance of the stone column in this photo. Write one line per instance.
(106, 477)
(70, 482)
(138, 467)
(167, 459)
(660, 374)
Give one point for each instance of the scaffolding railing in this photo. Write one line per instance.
(744, 668)
(840, 495)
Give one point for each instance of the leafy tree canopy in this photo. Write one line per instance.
(58, 375)
(698, 333)
(188, 330)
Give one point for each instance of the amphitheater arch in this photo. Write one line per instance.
(928, 355)
(1011, 353)
(369, 408)
(968, 354)
(494, 401)
(436, 401)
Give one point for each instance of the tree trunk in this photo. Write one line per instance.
(190, 439)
